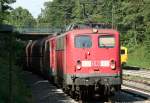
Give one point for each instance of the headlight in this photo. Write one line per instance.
(113, 64)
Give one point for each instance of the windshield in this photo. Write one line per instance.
(106, 41)
(122, 51)
(83, 41)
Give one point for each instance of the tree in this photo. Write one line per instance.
(20, 17)
(62, 12)
(4, 9)
(77, 11)
(130, 17)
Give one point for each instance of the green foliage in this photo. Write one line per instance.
(60, 13)
(77, 13)
(17, 17)
(4, 9)
(20, 17)
(21, 94)
(147, 43)
(138, 57)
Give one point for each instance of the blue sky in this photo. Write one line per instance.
(34, 6)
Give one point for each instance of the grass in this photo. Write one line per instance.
(138, 58)
(21, 94)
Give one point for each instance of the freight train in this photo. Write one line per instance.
(83, 60)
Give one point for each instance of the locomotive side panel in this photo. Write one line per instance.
(60, 59)
(53, 57)
(46, 59)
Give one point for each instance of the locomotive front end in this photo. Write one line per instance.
(95, 62)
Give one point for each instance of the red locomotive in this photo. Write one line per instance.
(83, 61)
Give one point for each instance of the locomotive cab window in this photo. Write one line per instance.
(106, 41)
(83, 41)
(122, 52)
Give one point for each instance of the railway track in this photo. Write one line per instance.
(139, 88)
(45, 92)
(139, 93)
(137, 72)
(137, 79)
(137, 85)
(136, 91)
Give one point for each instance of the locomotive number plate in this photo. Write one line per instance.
(104, 63)
(86, 63)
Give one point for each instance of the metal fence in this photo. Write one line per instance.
(23, 30)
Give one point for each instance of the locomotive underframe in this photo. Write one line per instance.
(80, 79)
(88, 85)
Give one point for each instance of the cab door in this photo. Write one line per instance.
(53, 57)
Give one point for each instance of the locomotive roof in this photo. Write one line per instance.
(87, 31)
(90, 30)
(88, 25)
